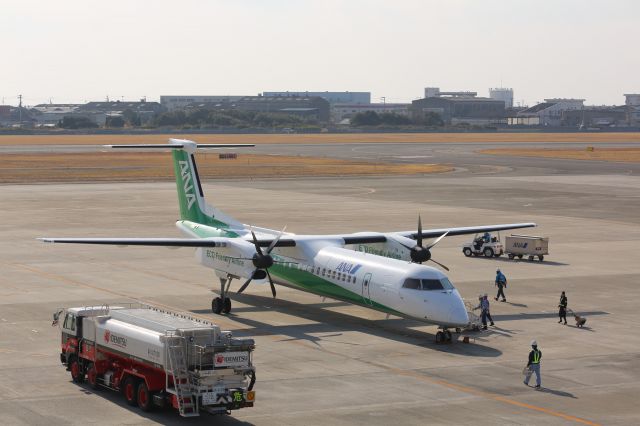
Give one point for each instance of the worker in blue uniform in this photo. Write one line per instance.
(501, 283)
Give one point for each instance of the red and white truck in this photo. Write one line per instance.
(158, 358)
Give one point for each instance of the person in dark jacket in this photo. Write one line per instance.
(501, 283)
(534, 364)
(562, 312)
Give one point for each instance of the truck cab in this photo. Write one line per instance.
(487, 245)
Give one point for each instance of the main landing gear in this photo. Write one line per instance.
(443, 336)
(222, 304)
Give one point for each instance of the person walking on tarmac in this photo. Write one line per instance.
(501, 283)
(483, 305)
(534, 364)
(562, 313)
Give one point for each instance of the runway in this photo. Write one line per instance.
(327, 362)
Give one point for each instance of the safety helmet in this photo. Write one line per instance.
(534, 343)
(498, 270)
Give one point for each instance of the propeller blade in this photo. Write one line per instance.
(274, 242)
(419, 231)
(439, 264)
(255, 242)
(273, 287)
(438, 240)
(241, 289)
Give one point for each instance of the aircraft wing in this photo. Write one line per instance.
(465, 230)
(381, 237)
(166, 242)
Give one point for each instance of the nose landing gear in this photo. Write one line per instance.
(222, 304)
(443, 336)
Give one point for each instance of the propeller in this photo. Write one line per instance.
(262, 261)
(420, 253)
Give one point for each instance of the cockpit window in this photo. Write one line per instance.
(412, 283)
(447, 284)
(432, 285)
(427, 284)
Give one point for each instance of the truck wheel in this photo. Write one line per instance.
(227, 305)
(488, 252)
(511, 256)
(129, 390)
(216, 305)
(92, 377)
(530, 258)
(145, 398)
(540, 258)
(76, 370)
(467, 251)
(519, 256)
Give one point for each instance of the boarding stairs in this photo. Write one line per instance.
(187, 401)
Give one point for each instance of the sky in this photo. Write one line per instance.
(81, 50)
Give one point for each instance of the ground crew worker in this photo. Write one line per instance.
(562, 313)
(501, 283)
(534, 364)
(483, 305)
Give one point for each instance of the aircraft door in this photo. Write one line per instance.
(366, 292)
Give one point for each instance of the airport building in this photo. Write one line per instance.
(311, 107)
(547, 113)
(502, 94)
(48, 115)
(331, 97)
(458, 109)
(171, 103)
(99, 111)
(341, 112)
(632, 104)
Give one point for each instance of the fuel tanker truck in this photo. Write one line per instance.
(158, 358)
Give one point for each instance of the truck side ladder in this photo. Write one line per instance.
(187, 401)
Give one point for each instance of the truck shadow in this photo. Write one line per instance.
(163, 415)
(517, 260)
(334, 324)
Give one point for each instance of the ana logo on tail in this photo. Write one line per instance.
(187, 184)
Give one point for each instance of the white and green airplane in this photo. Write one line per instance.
(377, 270)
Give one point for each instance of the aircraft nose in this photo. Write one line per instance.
(458, 314)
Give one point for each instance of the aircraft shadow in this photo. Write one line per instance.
(526, 316)
(335, 323)
(162, 415)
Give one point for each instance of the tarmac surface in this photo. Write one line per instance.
(327, 362)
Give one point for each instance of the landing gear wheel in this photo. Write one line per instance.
(217, 305)
(227, 306)
(92, 377)
(447, 335)
(540, 258)
(488, 252)
(76, 371)
(129, 390)
(439, 337)
(145, 398)
(467, 252)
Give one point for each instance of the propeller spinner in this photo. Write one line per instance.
(262, 261)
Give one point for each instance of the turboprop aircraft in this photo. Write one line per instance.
(377, 270)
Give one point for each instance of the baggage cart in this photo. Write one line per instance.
(526, 245)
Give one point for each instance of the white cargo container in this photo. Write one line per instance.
(156, 357)
(526, 245)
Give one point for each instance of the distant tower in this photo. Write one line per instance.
(502, 94)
